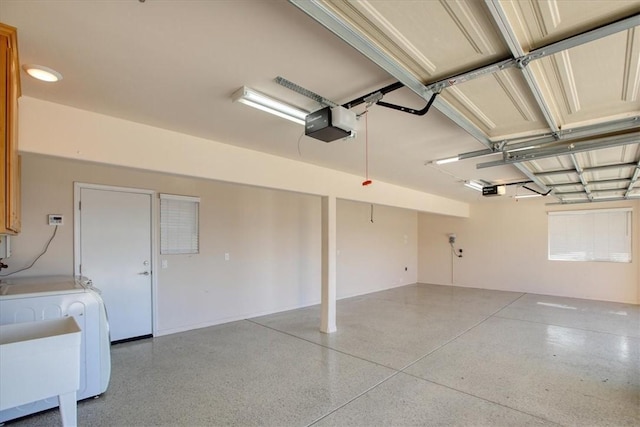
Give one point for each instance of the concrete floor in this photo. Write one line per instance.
(415, 355)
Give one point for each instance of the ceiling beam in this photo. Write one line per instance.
(586, 37)
(564, 135)
(565, 184)
(477, 153)
(602, 181)
(571, 193)
(576, 133)
(509, 36)
(585, 186)
(564, 148)
(533, 178)
(589, 169)
(323, 14)
(596, 200)
(319, 11)
(574, 193)
(610, 190)
(521, 59)
(634, 179)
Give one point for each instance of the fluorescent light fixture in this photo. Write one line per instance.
(263, 102)
(42, 73)
(527, 196)
(474, 185)
(447, 160)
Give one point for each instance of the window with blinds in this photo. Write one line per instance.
(593, 235)
(179, 224)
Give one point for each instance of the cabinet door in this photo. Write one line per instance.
(11, 82)
(4, 67)
(12, 162)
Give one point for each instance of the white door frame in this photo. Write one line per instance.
(77, 186)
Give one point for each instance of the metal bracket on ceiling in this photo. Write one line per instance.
(410, 110)
(370, 98)
(351, 35)
(583, 180)
(338, 25)
(634, 179)
(564, 148)
(521, 63)
(498, 146)
(373, 98)
(612, 166)
(376, 97)
(543, 194)
(305, 92)
(363, 99)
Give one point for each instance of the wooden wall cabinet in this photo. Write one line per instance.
(9, 160)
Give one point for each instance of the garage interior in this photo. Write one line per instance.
(480, 120)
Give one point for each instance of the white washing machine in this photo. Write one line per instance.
(44, 298)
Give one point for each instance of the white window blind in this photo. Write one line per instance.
(179, 224)
(593, 235)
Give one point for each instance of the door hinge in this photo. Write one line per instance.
(80, 205)
(80, 268)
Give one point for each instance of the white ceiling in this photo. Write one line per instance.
(175, 65)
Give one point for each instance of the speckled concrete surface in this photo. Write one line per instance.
(569, 376)
(422, 403)
(599, 316)
(416, 355)
(398, 326)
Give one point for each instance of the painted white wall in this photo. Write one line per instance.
(373, 256)
(505, 247)
(273, 238)
(57, 130)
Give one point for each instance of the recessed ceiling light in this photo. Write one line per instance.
(43, 73)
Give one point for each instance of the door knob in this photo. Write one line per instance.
(145, 273)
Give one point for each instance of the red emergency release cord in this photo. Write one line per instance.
(367, 181)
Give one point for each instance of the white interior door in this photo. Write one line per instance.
(115, 253)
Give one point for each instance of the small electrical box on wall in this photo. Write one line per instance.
(56, 219)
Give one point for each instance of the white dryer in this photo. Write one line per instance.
(44, 298)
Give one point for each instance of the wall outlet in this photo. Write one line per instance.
(452, 238)
(56, 219)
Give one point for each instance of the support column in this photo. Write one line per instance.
(328, 306)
